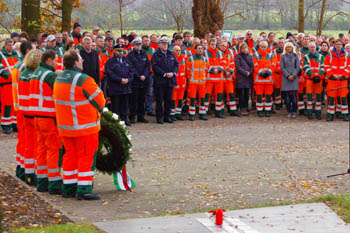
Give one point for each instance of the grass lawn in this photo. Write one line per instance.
(60, 228)
(338, 203)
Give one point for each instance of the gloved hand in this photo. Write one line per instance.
(317, 79)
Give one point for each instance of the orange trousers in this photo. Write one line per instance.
(193, 90)
(79, 163)
(48, 145)
(20, 146)
(29, 150)
(262, 90)
(215, 89)
(8, 116)
(229, 90)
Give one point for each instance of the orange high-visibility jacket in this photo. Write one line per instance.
(41, 91)
(181, 74)
(313, 65)
(78, 102)
(7, 62)
(264, 63)
(214, 62)
(16, 72)
(102, 59)
(337, 64)
(23, 92)
(197, 69)
(227, 61)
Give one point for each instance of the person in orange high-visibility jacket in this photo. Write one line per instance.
(301, 92)
(76, 34)
(313, 66)
(264, 66)
(215, 79)
(196, 72)
(227, 61)
(78, 102)
(31, 62)
(278, 74)
(337, 71)
(179, 89)
(48, 140)
(8, 59)
(15, 74)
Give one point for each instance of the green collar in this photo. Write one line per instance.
(75, 69)
(47, 66)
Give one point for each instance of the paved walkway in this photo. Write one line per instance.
(190, 166)
(310, 218)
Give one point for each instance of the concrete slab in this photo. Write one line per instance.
(310, 218)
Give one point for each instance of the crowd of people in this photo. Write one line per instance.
(53, 88)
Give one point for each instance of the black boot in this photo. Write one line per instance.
(88, 196)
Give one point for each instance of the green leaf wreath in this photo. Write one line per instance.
(114, 144)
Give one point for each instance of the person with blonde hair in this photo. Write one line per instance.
(31, 63)
(290, 67)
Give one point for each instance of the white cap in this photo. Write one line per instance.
(301, 34)
(137, 40)
(259, 38)
(50, 38)
(240, 36)
(96, 28)
(164, 39)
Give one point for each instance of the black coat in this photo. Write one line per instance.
(141, 65)
(91, 65)
(162, 64)
(244, 63)
(115, 71)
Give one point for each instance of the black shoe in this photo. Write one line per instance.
(88, 196)
(127, 123)
(55, 192)
(203, 117)
(6, 131)
(44, 190)
(180, 118)
(68, 195)
(273, 111)
(318, 117)
(268, 113)
(233, 113)
(160, 121)
(131, 121)
(260, 114)
(346, 118)
(151, 114)
(191, 118)
(220, 116)
(168, 120)
(330, 118)
(309, 117)
(142, 120)
(278, 107)
(173, 118)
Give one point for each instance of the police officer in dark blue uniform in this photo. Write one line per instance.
(139, 61)
(165, 67)
(119, 75)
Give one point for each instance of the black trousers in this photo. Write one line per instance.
(137, 103)
(120, 105)
(243, 95)
(163, 96)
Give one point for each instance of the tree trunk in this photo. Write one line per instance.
(67, 8)
(207, 16)
(301, 17)
(121, 16)
(31, 17)
(320, 22)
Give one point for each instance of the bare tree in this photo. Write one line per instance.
(121, 5)
(177, 11)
